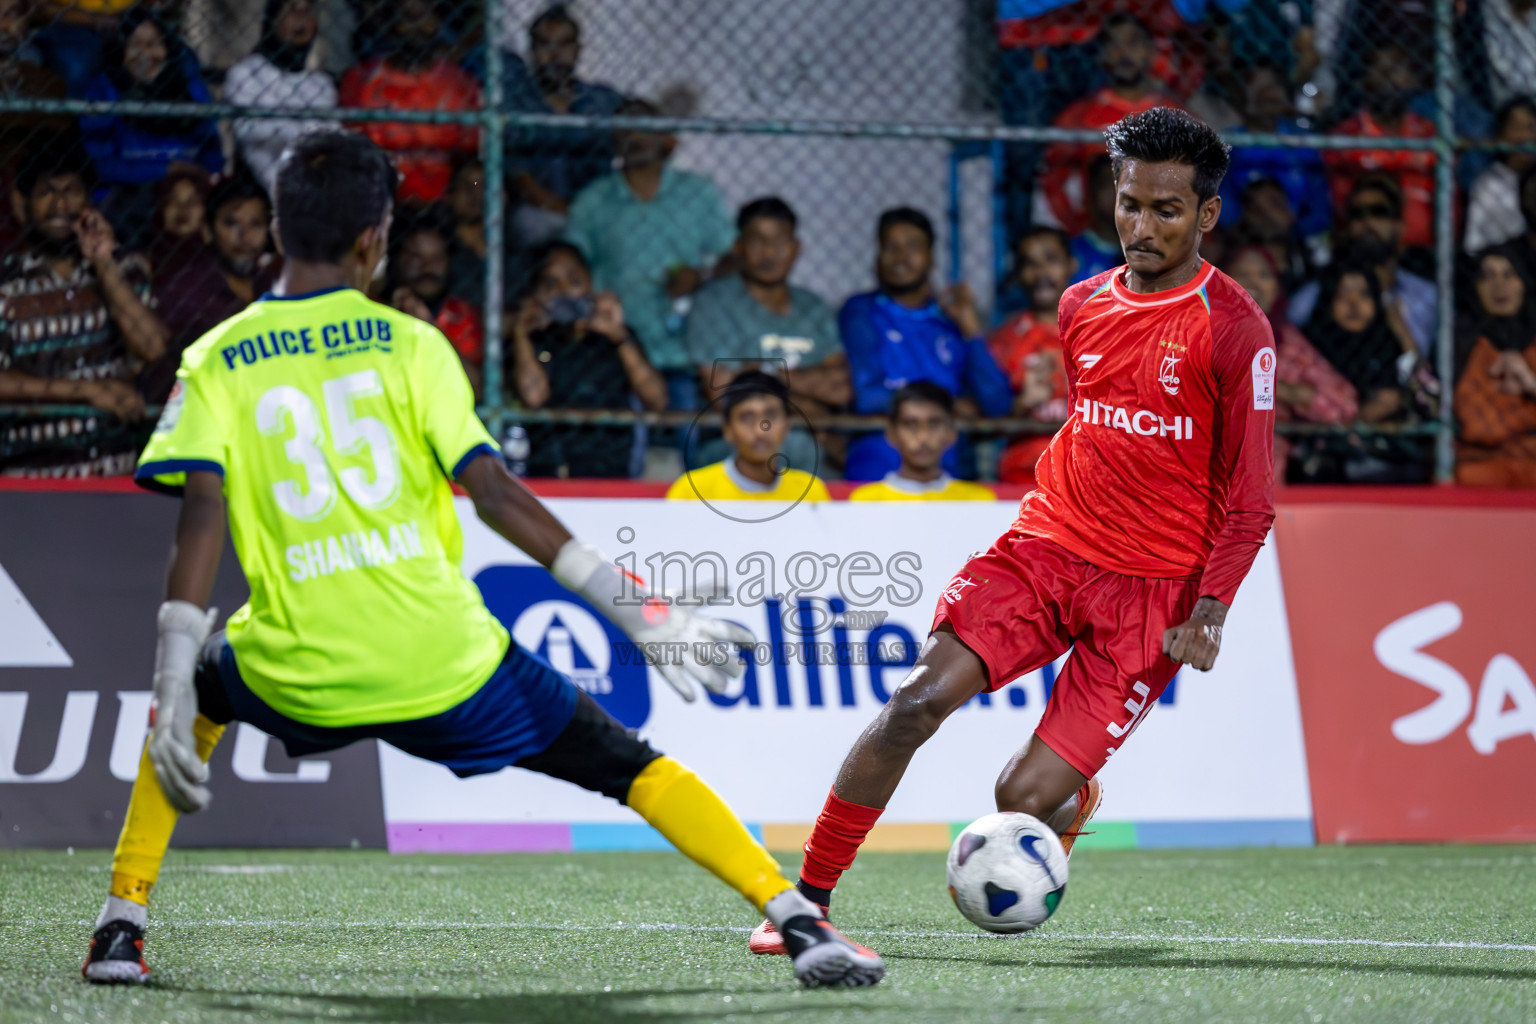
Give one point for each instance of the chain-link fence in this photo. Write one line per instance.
(611, 208)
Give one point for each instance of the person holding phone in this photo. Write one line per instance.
(571, 349)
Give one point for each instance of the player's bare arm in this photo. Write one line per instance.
(506, 505)
(184, 622)
(1197, 641)
(683, 647)
(199, 540)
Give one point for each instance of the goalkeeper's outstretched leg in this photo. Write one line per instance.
(595, 752)
(528, 716)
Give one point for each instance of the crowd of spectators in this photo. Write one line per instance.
(630, 286)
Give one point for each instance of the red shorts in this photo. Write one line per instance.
(1027, 599)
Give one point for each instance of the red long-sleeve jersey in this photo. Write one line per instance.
(1166, 466)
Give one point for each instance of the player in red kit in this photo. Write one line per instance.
(1153, 501)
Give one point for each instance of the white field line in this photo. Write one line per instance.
(861, 933)
(1319, 862)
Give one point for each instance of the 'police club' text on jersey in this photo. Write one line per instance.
(1165, 466)
(336, 424)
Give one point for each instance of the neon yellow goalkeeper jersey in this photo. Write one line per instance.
(336, 424)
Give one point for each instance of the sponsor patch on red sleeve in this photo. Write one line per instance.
(1264, 378)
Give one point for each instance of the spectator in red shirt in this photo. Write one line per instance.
(1496, 387)
(416, 76)
(418, 285)
(1126, 53)
(1028, 347)
(1307, 387)
(1388, 85)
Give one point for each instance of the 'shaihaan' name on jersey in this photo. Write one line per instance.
(1141, 421)
(347, 552)
(338, 339)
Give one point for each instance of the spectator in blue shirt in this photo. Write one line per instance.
(547, 166)
(902, 333)
(131, 154)
(1267, 109)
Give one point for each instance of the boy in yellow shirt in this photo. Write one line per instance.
(921, 429)
(755, 409)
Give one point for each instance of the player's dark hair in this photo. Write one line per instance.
(1385, 184)
(748, 384)
(924, 391)
(904, 215)
(55, 155)
(771, 207)
(1164, 135)
(239, 187)
(1119, 18)
(331, 187)
(1507, 110)
(1044, 231)
(554, 14)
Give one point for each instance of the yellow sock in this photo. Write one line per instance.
(694, 819)
(150, 820)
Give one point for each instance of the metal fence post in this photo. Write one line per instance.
(1445, 237)
(492, 148)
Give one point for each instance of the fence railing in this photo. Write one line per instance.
(494, 119)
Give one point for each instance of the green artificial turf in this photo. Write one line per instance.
(1143, 936)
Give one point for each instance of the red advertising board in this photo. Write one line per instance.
(1414, 632)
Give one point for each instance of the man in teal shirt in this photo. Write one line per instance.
(757, 318)
(652, 235)
(758, 315)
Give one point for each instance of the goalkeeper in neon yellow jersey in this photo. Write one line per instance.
(326, 428)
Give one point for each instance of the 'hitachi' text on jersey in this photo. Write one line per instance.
(1141, 421)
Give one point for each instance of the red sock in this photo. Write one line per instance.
(835, 841)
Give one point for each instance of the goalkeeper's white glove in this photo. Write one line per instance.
(172, 745)
(709, 655)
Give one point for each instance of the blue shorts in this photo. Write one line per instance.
(517, 714)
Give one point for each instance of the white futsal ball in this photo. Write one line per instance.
(1007, 872)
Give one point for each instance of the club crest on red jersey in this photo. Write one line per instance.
(956, 588)
(1168, 372)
